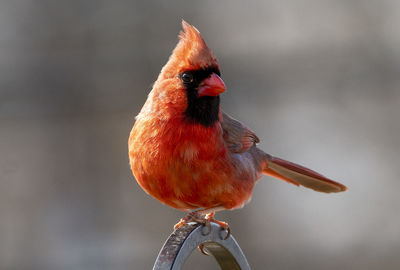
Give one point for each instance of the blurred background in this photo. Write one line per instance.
(318, 81)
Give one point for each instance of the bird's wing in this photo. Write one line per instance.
(237, 136)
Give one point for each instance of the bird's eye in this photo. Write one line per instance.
(187, 77)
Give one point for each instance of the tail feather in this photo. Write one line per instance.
(299, 175)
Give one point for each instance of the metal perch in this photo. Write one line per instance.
(184, 240)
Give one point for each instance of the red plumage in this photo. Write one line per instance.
(185, 152)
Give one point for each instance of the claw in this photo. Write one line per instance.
(228, 233)
(202, 250)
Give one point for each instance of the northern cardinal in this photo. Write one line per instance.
(187, 153)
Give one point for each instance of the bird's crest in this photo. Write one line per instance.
(190, 53)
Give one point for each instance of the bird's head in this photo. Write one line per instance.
(194, 70)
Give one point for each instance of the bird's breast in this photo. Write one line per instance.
(187, 166)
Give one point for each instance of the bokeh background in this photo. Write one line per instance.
(319, 82)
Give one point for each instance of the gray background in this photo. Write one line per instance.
(319, 82)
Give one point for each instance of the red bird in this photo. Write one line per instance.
(187, 153)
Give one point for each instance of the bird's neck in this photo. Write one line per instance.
(202, 110)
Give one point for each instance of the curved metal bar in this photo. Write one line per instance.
(184, 240)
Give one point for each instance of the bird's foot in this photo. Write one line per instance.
(205, 220)
(225, 226)
(191, 217)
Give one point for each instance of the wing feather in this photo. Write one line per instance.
(237, 136)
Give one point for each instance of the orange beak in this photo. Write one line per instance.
(211, 86)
